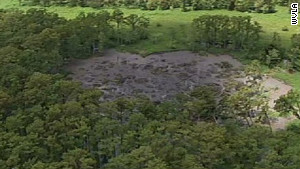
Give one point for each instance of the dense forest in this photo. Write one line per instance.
(265, 6)
(50, 122)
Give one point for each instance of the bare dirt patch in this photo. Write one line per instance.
(277, 89)
(158, 76)
(162, 76)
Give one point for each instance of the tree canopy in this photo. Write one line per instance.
(260, 6)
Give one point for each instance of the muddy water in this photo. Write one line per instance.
(158, 76)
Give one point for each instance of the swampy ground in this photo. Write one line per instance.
(162, 76)
(159, 76)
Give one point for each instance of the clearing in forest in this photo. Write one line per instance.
(161, 76)
(158, 76)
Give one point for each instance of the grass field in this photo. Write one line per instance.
(169, 28)
(291, 79)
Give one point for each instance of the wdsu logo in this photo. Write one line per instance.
(294, 13)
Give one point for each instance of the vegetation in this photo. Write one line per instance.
(286, 2)
(265, 6)
(66, 38)
(223, 31)
(290, 78)
(49, 122)
(289, 103)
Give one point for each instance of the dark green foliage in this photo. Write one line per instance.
(210, 4)
(274, 52)
(46, 39)
(283, 2)
(296, 40)
(265, 6)
(285, 28)
(289, 104)
(287, 2)
(294, 58)
(202, 104)
(294, 126)
(260, 6)
(244, 5)
(122, 134)
(95, 3)
(80, 35)
(202, 4)
(129, 29)
(226, 32)
(294, 53)
(48, 122)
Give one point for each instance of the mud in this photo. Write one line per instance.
(158, 76)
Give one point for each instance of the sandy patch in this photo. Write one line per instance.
(277, 88)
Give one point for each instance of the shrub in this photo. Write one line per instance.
(294, 126)
(152, 4)
(296, 40)
(158, 24)
(294, 58)
(202, 4)
(285, 28)
(283, 2)
(243, 5)
(95, 3)
(273, 58)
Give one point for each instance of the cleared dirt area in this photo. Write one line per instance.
(158, 76)
(277, 89)
(162, 76)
